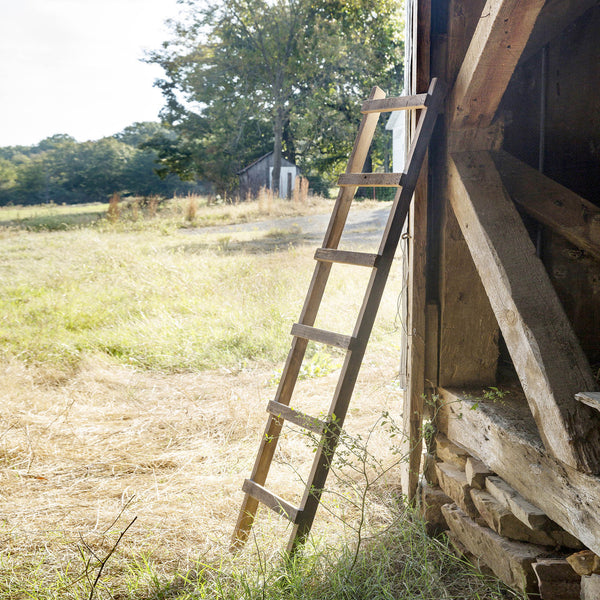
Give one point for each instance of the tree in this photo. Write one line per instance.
(243, 75)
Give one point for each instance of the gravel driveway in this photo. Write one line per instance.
(363, 226)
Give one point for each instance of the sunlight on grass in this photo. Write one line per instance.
(136, 359)
(166, 302)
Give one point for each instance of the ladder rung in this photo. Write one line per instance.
(390, 104)
(271, 500)
(362, 259)
(346, 342)
(289, 414)
(371, 179)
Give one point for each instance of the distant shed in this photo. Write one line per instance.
(259, 175)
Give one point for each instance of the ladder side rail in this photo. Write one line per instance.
(366, 320)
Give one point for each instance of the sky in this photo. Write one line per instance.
(73, 66)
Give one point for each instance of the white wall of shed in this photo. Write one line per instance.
(283, 180)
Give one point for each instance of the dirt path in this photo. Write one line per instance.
(363, 226)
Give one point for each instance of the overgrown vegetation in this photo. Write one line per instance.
(136, 357)
(244, 77)
(61, 170)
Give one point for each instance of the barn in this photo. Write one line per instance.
(502, 357)
(259, 174)
(504, 298)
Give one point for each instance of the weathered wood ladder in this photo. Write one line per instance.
(355, 345)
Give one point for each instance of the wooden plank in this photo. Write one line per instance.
(552, 204)
(468, 331)
(497, 44)
(432, 498)
(454, 484)
(590, 587)
(392, 104)
(468, 328)
(504, 522)
(345, 342)
(556, 579)
(371, 179)
(510, 561)
(545, 352)
(449, 452)
(419, 75)
(526, 512)
(499, 518)
(590, 398)
(413, 404)
(293, 416)
(361, 259)
(477, 472)
(463, 17)
(505, 438)
(432, 327)
(271, 500)
(555, 17)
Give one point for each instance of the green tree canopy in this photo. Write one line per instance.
(60, 169)
(245, 76)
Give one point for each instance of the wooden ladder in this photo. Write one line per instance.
(279, 411)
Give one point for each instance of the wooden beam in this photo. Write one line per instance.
(463, 16)
(417, 250)
(371, 179)
(510, 561)
(545, 351)
(550, 203)
(556, 16)
(503, 435)
(468, 332)
(394, 103)
(468, 328)
(495, 49)
(590, 398)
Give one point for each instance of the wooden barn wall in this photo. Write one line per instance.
(467, 331)
(255, 178)
(552, 122)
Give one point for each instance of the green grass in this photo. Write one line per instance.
(151, 301)
(51, 216)
(136, 214)
(400, 562)
(148, 294)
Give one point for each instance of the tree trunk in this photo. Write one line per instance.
(277, 143)
(278, 123)
(288, 140)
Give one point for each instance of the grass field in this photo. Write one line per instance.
(136, 361)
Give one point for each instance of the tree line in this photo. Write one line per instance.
(59, 169)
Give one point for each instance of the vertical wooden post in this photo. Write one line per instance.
(417, 250)
(468, 333)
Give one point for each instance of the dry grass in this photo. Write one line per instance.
(166, 428)
(82, 440)
(74, 455)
